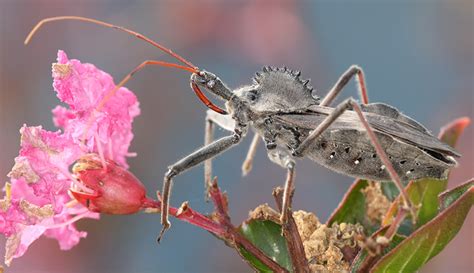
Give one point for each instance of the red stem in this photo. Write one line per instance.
(223, 228)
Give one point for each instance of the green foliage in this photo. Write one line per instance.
(448, 197)
(352, 208)
(266, 235)
(426, 242)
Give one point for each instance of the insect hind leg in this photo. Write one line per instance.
(336, 113)
(354, 70)
(285, 160)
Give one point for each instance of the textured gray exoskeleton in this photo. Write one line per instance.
(371, 141)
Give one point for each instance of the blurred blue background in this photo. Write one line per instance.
(417, 55)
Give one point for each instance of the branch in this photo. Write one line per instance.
(221, 226)
(185, 213)
(292, 236)
(232, 235)
(220, 203)
(370, 260)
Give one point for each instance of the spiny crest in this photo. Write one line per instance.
(282, 89)
(282, 76)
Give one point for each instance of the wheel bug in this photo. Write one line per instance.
(371, 141)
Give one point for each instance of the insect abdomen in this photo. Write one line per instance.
(350, 152)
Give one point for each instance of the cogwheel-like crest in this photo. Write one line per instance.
(283, 75)
(283, 89)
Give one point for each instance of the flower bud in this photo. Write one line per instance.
(114, 190)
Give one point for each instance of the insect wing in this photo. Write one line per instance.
(385, 125)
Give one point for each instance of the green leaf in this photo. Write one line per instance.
(429, 240)
(266, 235)
(352, 208)
(448, 197)
(358, 261)
(424, 192)
(390, 190)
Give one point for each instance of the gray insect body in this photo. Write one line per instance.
(371, 141)
(286, 110)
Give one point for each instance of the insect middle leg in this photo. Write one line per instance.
(224, 121)
(208, 138)
(338, 111)
(248, 162)
(186, 163)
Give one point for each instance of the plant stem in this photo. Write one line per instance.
(292, 236)
(232, 236)
(369, 260)
(186, 214)
(220, 203)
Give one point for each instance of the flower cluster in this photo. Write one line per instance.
(37, 199)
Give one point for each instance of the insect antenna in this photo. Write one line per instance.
(97, 22)
(188, 66)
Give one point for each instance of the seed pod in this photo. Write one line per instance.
(115, 190)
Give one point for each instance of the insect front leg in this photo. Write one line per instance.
(186, 163)
(338, 111)
(342, 82)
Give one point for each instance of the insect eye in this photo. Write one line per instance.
(252, 95)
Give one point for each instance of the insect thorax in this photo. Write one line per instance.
(278, 90)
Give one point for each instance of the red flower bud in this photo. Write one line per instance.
(114, 190)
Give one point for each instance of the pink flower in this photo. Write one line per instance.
(37, 200)
(83, 87)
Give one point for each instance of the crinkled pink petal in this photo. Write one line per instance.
(62, 116)
(83, 87)
(49, 155)
(11, 220)
(21, 190)
(67, 235)
(28, 235)
(41, 178)
(15, 222)
(56, 148)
